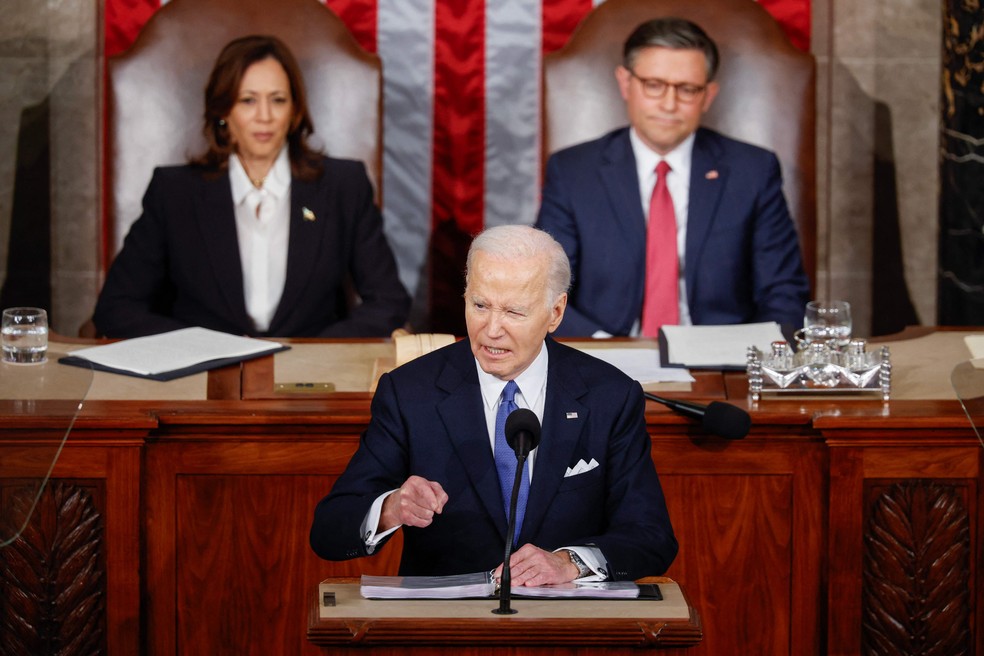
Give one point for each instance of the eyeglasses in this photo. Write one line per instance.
(654, 87)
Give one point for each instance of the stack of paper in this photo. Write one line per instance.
(460, 586)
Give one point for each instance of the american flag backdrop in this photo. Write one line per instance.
(461, 119)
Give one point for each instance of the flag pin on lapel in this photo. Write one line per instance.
(711, 175)
(307, 214)
(572, 415)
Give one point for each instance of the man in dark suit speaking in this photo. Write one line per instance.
(665, 222)
(591, 504)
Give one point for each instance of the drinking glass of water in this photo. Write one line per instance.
(24, 335)
(829, 322)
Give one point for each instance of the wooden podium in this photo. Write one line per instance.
(461, 627)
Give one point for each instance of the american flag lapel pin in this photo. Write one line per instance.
(307, 214)
(711, 175)
(572, 415)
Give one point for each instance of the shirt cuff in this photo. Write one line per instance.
(371, 524)
(594, 559)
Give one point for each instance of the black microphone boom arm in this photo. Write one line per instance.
(721, 419)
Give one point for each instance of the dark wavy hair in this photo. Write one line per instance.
(221, 94)
(674, 33)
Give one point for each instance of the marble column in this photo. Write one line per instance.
(961, 287)
(50, 111)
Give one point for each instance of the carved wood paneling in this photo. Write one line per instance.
(52, 577)
(916, 594)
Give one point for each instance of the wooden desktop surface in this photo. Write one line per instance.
(423, 623)
(922, 365)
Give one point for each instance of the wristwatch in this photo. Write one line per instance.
(582, 569)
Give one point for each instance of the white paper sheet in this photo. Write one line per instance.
(975, 344)
(718, 346)
(641, 364)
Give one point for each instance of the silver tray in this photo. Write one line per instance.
(820, 371)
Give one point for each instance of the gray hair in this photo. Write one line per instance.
(673, 33)
(510, 242)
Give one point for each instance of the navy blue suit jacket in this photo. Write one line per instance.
(742, 261)
(180, 266)
(427, 419)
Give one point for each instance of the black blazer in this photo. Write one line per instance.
(427, 419)
(180, 266)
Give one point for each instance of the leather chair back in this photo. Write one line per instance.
(767, 92)
(157, 89)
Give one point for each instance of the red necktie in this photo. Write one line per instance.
(660, 304)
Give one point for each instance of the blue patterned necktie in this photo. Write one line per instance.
(505, 459)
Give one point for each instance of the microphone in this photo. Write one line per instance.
(522, 431)
(721, 419)
(522, 435)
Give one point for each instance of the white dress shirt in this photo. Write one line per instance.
(532, 384)
(262, 230)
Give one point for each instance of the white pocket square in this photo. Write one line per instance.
(581, 467)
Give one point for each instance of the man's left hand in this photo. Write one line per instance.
(532, 566)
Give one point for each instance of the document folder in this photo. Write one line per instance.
(173, 354)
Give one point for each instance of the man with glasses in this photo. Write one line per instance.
(666, 222)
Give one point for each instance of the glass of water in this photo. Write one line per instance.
(828, 322)
(25, 335)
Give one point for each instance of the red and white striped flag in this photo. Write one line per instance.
(461, 119)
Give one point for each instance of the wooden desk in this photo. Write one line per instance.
(184, 507)
(465, 627)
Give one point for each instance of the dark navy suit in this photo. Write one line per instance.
(742, 261)
(180, 263)
(428, 420)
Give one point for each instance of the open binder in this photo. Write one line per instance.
(482, 585)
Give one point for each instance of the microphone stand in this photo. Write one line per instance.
(505, 586)
(718, 418)
(688, 408)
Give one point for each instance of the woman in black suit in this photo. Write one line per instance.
(260, 235)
